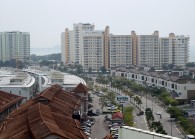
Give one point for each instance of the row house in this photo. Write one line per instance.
(180, 87)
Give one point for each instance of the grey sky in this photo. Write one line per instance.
(46, 19)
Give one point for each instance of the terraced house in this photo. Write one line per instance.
(181, 87)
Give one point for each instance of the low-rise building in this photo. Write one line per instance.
(47, 77)
(17, 82)
(8, 102)
(180, 87)
(126, 132)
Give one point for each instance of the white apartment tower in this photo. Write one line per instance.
(95, 48)
(14, 45)
(180, 49)
(72, 43)
(120, 50)
(148, 50)
(166, 57)
(174, 50)
(93, 44)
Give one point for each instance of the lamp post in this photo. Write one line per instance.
(146, 99)
(152, 104)
(171, 126)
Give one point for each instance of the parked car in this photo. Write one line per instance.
(140, 113)
(113, 107)
(97, 111)
(90, 113)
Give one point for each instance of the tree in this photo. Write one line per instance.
(190, 64)
(79, 69)
(1, 63)
(90, 70)
(103, 69)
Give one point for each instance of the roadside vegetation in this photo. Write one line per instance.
(128, 116)
(181, 118)
(133, 89)
(154, 125)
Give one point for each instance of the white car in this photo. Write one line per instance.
(113, 107)
(158, 113)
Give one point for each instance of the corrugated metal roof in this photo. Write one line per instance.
(81, 88)
(45, 116)
(7, 99)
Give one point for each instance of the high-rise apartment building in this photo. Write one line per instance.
(174, 50)
(72, 42)
(148, 50)
(14, 45)
(95, 48)
(180, 49)
(165, 52)
(120, 50)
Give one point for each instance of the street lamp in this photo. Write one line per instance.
(171, 126)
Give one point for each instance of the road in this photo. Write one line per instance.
(168, 126)
(140, 121)
(100, 129)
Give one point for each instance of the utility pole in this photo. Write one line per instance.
(152, 104)
(171, 126)
(146, 100)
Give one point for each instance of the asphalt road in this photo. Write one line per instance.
(100, 129)
(140, 121)
(168, 125)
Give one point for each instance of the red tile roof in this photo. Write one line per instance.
(81, 88)
(7, 99)
(49, 113)
(117, 114)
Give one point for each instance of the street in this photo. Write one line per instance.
(168, 126)
(100, 129)
(140, 121)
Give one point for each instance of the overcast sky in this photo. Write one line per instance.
(46, 19)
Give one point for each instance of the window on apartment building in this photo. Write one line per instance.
(184, 87)
(20, 93)
(172, 86)
(162, 82)
(132, 75)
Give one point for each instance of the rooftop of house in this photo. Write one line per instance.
(7, 99)
(117, 114)
(169, 76)
(49, 113)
